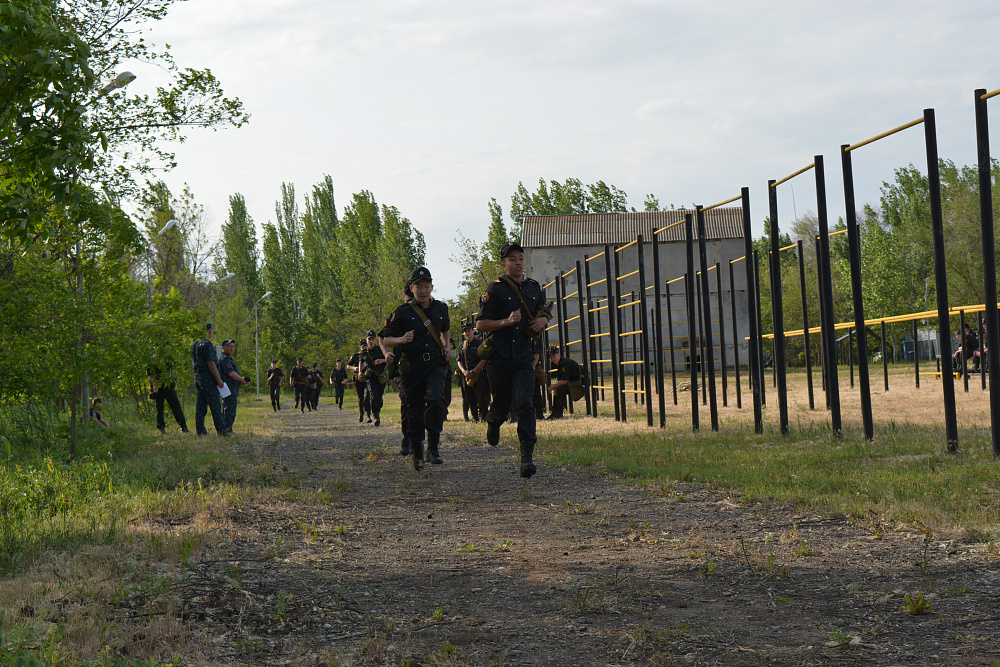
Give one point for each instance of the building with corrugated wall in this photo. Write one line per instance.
(554, 244)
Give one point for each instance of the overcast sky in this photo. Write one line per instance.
(437, 106)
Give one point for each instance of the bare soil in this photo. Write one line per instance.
(466, 563)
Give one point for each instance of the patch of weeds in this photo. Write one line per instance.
(381, 453)
(709, 568)
(772, 600)
(309, 530)
(438, 614)
(924, 560)
(470, 548)
(916, 604)
(837, 636)
(503, 546)
(277, 550)
(340, 529)
(804, 549)
(855, 587)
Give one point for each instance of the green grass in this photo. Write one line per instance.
(904, 474)
(68, 529)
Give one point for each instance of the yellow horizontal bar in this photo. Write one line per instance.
(663, 229)
(549, 284)
(628, 275)
(791, 176)
(675, 280)
(597, 310)
(575, 317)
(569, 273)
(629, 333)
(626, 305)
(574, 342)
(648, 288)
(788, 247)
(884, 134)
(630, 363)
(633, 391)
(551, 327)
(722, 203)
(602, 387)
(596, 282)
(570, 296)
(738, 259)
(627, 245)
(600, 361)
(989, 95)
(606, 333)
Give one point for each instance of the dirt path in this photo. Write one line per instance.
(466, 563)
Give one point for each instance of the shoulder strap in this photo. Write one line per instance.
(517, 290)
(427, 323)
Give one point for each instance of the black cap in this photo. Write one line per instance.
(339, 360)
(466, 325)
(371, 333)
(508, 246)
(406, 288)
(209, 327)
(227, 342)
(363, 342)
(315, 364)
(298, 358)
(420, 273)
(553, 349)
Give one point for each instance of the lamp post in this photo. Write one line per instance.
(256, 341)
(149, 246)
(215, 290)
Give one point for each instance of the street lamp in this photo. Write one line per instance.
(149, 246)
(214, 292)
(119, 81)
(256, 341)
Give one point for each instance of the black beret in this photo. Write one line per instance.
(508, 246)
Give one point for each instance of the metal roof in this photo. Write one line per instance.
(598, 229)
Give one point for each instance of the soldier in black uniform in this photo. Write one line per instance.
(357, 367)
(567, 371)
(299, 379)
(316, 385)
(207, 383)
(231, 376)
(338, 376)
(475, 390)
(274, 377)
(420, 330)
(162, 387)
(514, 310)
(374, 363)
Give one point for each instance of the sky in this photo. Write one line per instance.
(437, 106)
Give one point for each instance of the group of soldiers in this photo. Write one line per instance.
(498, 360)
(217, 387)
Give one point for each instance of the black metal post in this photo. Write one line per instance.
(980, 335)
(722, 331)
(610, 280)
(940, 275)
(850, 353)
(805, 323)
(581, 286)
(777, 311)
(961, 349)
(701, 338)
(916, 355)
(736, 335)
(619, 340)
(670, 334)
(760, 329)
(824, 353)
(832, 381)
(752, 292)
(689, 285)
(647, 379)
(591, 342)
(885, 358)
(989, 264)
(658, 328)
(706, 304)
(854, 247)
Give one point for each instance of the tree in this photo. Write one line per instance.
(240, 253)
(45, 139)
(567, 198)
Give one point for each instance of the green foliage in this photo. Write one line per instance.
(566, 198)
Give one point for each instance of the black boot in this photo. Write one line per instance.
(492, 434)
(432, 454)
(404, 446)
(527, 465)
(361, 418)
(418, 455)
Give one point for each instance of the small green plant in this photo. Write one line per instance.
(804, 549)
(438, 614)
(837, 636)
(916, 604)
(503, 546)
(709, 568)
(340, 529)
(470, 548)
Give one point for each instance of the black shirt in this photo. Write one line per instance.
(202, 352)
(498, 302)
(338, 375)
(467, 354)
(274, 376)
(567, 369)
(405, 318)
(300, 375)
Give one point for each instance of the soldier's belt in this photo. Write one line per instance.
(423, 356)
